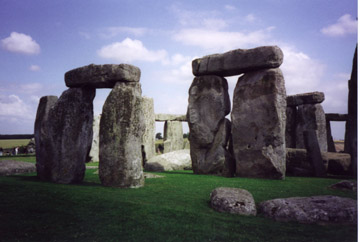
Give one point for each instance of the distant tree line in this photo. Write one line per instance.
(16, 136)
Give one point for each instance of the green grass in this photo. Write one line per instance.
(174, 208)
(26, 158)
(12, 143)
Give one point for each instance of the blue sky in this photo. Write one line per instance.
(41, 40)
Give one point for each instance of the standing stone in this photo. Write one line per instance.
(94, 152)
(313, 152)
(148, 139)
(351, 123)
(173, 136)
(330, 140)
(258, 124)
(70, 130)
(122, 126)
(209, 103)
(311, 116)
(41, 133)
(290, 133)
(238, 61)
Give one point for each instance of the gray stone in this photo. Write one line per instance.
(148, 139)
(336, 117)
(238, 61)
(175, 160)
(173, 136)
(42, 139)
(297, 163)
(345, 185)
(122, 126)
(290, 132)
(338, 163)
(94, 152)
(330, 140)
(313, 152)
(233, 200)
(352, 121)
(101, 76)
(11, 167)
(209, 103)
(311, 117)
(321, 210)
(170, 117)
(258, 124)
(305, 98)
(70, 131)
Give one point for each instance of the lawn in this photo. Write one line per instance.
(12, 143)
(173, 208)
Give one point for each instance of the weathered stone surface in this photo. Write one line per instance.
(70, 131)
(148, 138)
(297, 163)
(94, 152)
(238, 61)
(311, 117)
(101, 76)
(170, 117)
(338, 163)
(351, 124)
(173, 136)
(258, 124)
(330, 140)
(313, 152)
(336, 117)
(345, 185)
(321, 210)
(42, 139)
(290, 132)
(209, 103)
(233, 200)
(122, 126)
(11, 167)
(305, 98)
(175, 160)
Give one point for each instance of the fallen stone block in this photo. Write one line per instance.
(175, 160)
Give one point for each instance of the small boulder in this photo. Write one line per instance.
(175, 160)
(321, 210)
(345, 185)
(232, 200)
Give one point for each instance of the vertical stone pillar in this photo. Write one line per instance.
(290, 133)
(313, 152)
(209, 103)
(258, 124)
(122, 127)
(148, 139)
(41, 133)
(173, 136)
(70, 131)
(330, 140)
(94, 152)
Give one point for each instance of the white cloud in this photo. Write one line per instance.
(20, 43)
(250, 18)
(229, 7)
(116, 30)
(344, 25)
(31, 87)
(34, 68)
(14, 107)
(129, 51)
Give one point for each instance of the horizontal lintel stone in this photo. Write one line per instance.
(336, 117)
(305, 98)
(161, 117)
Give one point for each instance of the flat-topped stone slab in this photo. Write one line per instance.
(101, 76)
(305, 98)
(238, 61)
(170, 117)
(336, 117)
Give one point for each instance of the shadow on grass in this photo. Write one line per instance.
(37, 179)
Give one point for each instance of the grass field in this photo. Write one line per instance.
(173, 208)
(12, 143)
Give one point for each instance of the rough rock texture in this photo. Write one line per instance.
(338, 163)
(313, 152)
(321, 210)
(148, 139)
(122, 126)
(175, 160)
(258, 124)
(94, 152)
(336, 117)
(173, 136)
(209, 103)
(351, 123)
(311, 116)
(42, 139)
(330, 140)
(170, 117)
(101, 76)
(345, 185)
(305, 98)
(238, 61)
(290, 132)
(11, 167)
(70, 131)
(232, 200)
